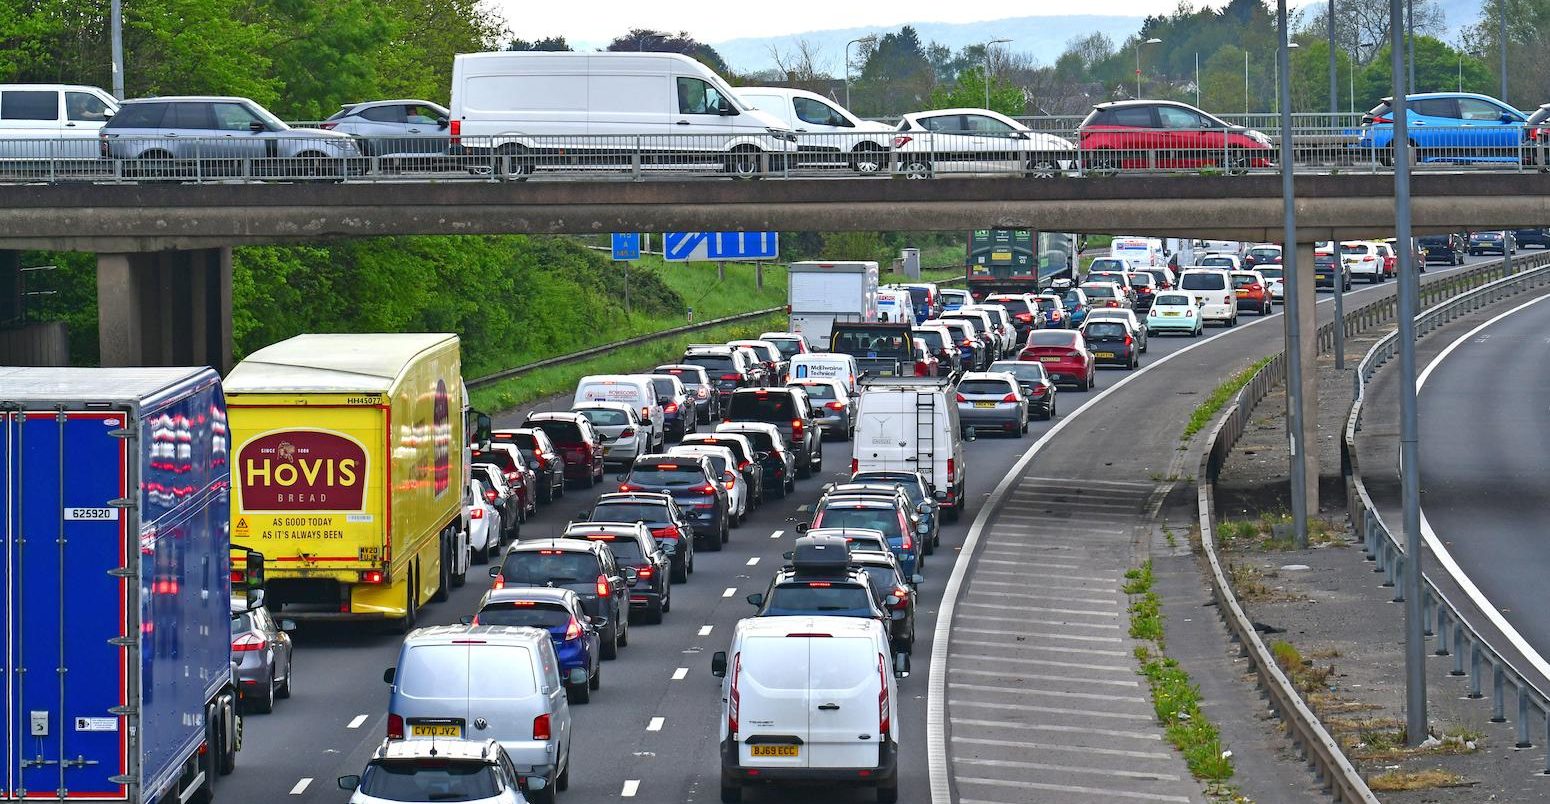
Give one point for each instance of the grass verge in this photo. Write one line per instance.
(1218, 398)
(1175, 699)
(544, 382)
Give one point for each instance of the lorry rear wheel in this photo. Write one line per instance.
(406, 623)
(443, 572)
(231, 738)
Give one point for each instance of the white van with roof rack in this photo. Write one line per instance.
(909, 424)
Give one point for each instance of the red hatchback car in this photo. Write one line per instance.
(1064, 354)
(1163, 134)
(578, 442)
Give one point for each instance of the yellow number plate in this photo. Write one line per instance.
(1049, 360)
(436, 730)
(1168, 313)
(1105, 354)
(984, 404)
(775, 750)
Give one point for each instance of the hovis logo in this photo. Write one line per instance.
(302, 470)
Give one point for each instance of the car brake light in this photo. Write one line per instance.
(951, 475)
(731, 376)
(834, 405)
(732, 697)
(968, 342)
(476, 513)
(573, 629)
(671, 407)
(960, 398)
(901, 141)
(1039, 390)
(855, 466)
(395, 727)
(371, 576)
(490, 495)
(704, 488)
(628, 432)
(902, 594)
(1129, 340)
(630, 487)
(884, 723)
(1009, 398)
(603, 590)
(511, 477)
(248, 642)
(541, 727)
(498, 582)
(327, 125)
(670, 532)
(742, 466)
(455, 131)
(819, 584)
(796, 427)
(909, 543)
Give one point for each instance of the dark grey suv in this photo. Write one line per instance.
(199, 136)
(788, 409)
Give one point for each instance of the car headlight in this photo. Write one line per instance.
(782, 134)
(341, 144)
(1260, 138)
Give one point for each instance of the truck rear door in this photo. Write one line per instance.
(59, 475)
(891, 434)
(844, 703)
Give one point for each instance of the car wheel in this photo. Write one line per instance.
(284, 690)
(596, 681)
(713, 544)
(667, 600)
(578, 693)
(624, 631)
(654, 615)
(916, 167)
(512, 164)
(544, 796)
(726, 532)
(744, 162)
(562, 782)
(680, 573)
(263, 704)
(610, 641)
(1042, 166)
(868, 159)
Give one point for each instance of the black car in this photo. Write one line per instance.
(778, 463)
(1493, 242)
(707, 403)
(728, 369)
(1026, 317)
(1324, 268)
(651, 590)
(1145, 287)
(694, 484)
(542, 456)
(1532, 237)
(1111, 343)
(894, 592)
(917, 486)
(1036, 384)
(747, 459)
(510, 507)
(678, 410)
(585, 567)
(790, 410)
(1448, 248)
(916, 498)
(660, 513)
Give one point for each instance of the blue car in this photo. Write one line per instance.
(1076, 307)
(558, 611)
(900, 527)
(1448, 127)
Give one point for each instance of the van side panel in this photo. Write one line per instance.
(844, 675)
(629, 103)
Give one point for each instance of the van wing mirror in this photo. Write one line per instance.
(901, 665)
(388, 674)
(968, 434)
(349, 783)
(718, 664)
(756, 599)
(482, 427)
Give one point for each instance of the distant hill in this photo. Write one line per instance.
(1044, 37)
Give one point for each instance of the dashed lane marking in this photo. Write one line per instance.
(753, 561)
(706, 629)
(1063, 788)
(1054, 710)
(1029, 745)
(730, 591)
(1020, 691)
(656, 724)
(680, 674)
(356, 721)
(631, 787)
(777, 534)
(1044, 766)
(301, 786)
(1007, 724)
(1021, 676)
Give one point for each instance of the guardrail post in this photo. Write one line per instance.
(635, 160)
(1523, 738)
(1458, 652)
(1498, 693)
(1474, 670)
(1441, 631)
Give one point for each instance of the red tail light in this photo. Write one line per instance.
(327, 125)
(951, 475)
(645, 573)
(901, 141)
(541, 727)
(476, 513)
(704, 488)
(902, 594)
(969, 342)
(1039, 390)
(1387, 120)
(884, 723)
(512, 477)
(455, 129)
(731, 376)
(742, 466)
(909, 542)
(573, 629)
(1111, 303)
(628, 432)
(1024, 317)
(371, 576)
(490, 495)
(1129, 340)
(395, 727)
(960, 397)
(248, 642)
(733, 697)
(797, 427)
(669, 532)
(855, 466)
(671, 407)
(1009, 398)
(834, 405)
(498, 582)
(238, 576)
(630, 487)
(603, 589)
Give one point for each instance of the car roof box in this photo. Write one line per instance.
(820, 556)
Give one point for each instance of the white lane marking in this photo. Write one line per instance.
(1028, 745)
(753, 561)
(656, 724)
(1010, 585)
(705, 629)
(1121, 483)
(777, 534)
(356, 722)
(1043, 609)
(730, 591)
(631, 786)
(1440, 550)
(680, 674)
(1012, 763)
(1008, 724)
(1036, 635)
(301, 786)
(1055, 710)
(1021, 676)
(1063, 623)
(1037, 596)
(1066, 789)
(1021, 691)
(1041, 648)
(1126, 667)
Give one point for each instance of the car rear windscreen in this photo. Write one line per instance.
(667, 474)
(761, 441)
(499, 458)
(861, 342)
(1049, 337)
(802, 596)
(431, 779)
(1013, 305)
(629, 512)
(1023, 370)
(762, 407)
(605, 417)
(715, 365)
(842, 516)
(1243, 280)
(663, 386)
(525, 612)
(1203, 281)
(561, 432)
(883, 580)
(820, 393)
(788, 348)
(625, 550)
(984, 387)
(1104, 331)
(542, 566)
(1174, 299)
(933, 339)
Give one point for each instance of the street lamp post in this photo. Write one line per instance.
(116, 23)
(868, 39)
(1289, 47)
(1501, 36)
(1334, 82)
(1153, 41)
(1245, 81)
(986, 47)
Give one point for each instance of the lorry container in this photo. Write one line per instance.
(349, 473)
(825, 293)
(115, 587)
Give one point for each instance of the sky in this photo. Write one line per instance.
(715, 21)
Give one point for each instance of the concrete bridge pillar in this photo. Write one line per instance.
(1307, 443)
(165, 308)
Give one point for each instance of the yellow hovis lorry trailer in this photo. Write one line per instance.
(348, 472)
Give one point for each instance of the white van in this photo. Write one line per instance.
(827, 366)
(52, 121)
(635, 390)
(1146, 252)
(910, 424)
(809, 699)
(1213, 288)
(600, 108)
(827, 133)
(895, 305)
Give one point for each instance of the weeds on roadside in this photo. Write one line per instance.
(1208, 409)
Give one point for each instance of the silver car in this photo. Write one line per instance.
(832, 407)
(624, 438)
(424, 771)
(992, 400)
(261, 650)
(397, 129)
(210, 135)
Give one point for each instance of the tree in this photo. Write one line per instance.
(1438, 67)
(1527, 70)
(800, 67)
(548, 43)
(650, 41)
(969, 91)
(1362, 26)
(896, 75)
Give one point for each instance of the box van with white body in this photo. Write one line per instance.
(809, 699)
(635, 390)
(494, 681)
(827, 133)
(52, 121)
(1141, 251)
(602, 108)
(821, 293)
(910, 424)
(827, 366)
(895, 305)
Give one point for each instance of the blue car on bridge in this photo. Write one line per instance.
(1448, 127)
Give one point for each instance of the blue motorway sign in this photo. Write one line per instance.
(626, 246)
(703, 246)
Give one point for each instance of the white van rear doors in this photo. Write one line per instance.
(885, 432)
(848, 682)
(770, 696)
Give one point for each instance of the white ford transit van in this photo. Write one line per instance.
(910, 424)
(809, 699)
(598, 109)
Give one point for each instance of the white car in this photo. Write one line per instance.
(1362, 259)
(738, 497)
(444, 769)
(620, 425)
(1212, 288)
(484, 526)
(975, 141)
(1175, 311)
(827, 133)
(1274, 276)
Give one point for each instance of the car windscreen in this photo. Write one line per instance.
(625, 550)
(541, 566)
(1203, 281)
(761, 406)
(819, 596)
(431, 779)
(846, 516)
(524, 612)
(1049, 337)
(1104, 330)
(715, 365)
(984, 387)
(818, 392)
(561, 432)
(667, 474)
(1174, 299)
(629, 512)
(605, 417)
